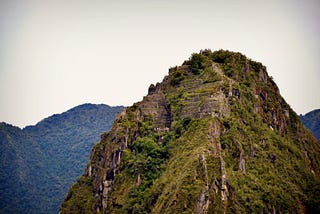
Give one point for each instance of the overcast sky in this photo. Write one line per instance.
(57, 54)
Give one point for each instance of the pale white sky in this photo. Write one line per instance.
(57, 54)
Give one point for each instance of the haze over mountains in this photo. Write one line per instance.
(40, 162)
(215, 136)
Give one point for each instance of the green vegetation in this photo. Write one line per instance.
(196, 63)
(81, 196)
(177, 77)
(143, 162)
(233, 146)
(145, 158)
(40, 162)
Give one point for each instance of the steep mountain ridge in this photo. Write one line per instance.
(39, 162)
(214, 136)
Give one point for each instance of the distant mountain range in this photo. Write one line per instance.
(39, 163)
(311, 120)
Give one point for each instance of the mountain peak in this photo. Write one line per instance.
(214, 136)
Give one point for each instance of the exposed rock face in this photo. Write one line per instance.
(214, 137)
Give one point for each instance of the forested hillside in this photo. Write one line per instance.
(39, 162)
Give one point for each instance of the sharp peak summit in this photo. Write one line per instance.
(214, 136)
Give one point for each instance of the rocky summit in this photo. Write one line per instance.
(215, 136)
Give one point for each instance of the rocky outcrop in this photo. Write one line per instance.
(215, 136)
